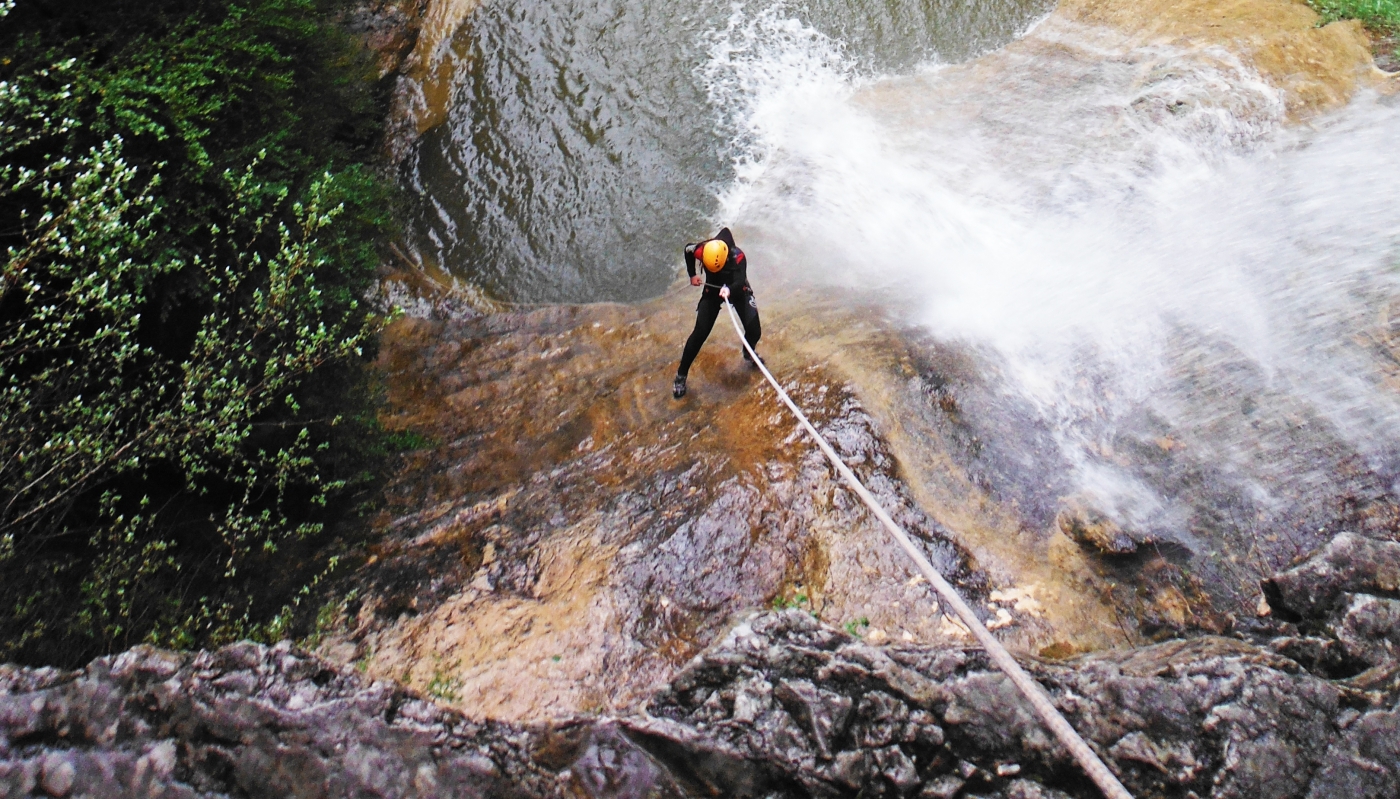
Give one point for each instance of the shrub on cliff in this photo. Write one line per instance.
(1380, 15)
(186, 227)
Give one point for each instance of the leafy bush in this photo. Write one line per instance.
(187, 228)
(1378, 14)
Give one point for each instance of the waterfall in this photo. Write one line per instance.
(1133, 237)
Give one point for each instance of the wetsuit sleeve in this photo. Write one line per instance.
(690, 259)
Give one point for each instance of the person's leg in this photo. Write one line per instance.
(705, 314)
(747, 307)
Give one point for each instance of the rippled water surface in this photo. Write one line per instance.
(587, 141)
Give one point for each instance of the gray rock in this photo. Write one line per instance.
(1365, 762)
(58, 774)
(944, 787)
(1178, 761)
(880, 720)
(246, 720)
(1369, 629)
(782, 706)
(1024, 789)
(1348, 564)
(1214, 716)
(823, 713)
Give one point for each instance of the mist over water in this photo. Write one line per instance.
(1133, 240)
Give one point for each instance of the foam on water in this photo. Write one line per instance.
(1113, 229)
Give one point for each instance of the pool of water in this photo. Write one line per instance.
(588, 141)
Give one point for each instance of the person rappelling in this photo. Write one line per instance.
(725, 277)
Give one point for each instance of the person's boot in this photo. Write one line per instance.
(678, 387)
(750, 358)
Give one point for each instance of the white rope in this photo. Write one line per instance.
(1030, 689)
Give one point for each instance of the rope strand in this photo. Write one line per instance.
(1029, 688)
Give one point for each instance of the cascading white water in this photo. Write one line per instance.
(1119, 232)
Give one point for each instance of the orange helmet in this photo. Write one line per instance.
(714, 254)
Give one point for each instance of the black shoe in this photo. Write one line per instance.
(750, 359)
(678, 387)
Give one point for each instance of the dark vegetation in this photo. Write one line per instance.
(188, 223)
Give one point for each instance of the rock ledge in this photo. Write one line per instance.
(783, 706)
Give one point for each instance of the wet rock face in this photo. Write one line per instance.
(410, 42)
(1348, 564)
(572, 534)
(1347, 596)
(1084, 523)
(569, 535)
(389, 28)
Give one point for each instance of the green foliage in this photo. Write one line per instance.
(782, 603)
(855, 626)
(409, 440)
(1378, 14)
(443, 686)
(187, 229)
(329, 618)
(799, 601)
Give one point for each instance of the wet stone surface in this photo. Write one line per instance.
(569, 534)
(781, 706)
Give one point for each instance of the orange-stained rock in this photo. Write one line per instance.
(1317, 67)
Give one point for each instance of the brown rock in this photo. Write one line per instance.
(1081, 521)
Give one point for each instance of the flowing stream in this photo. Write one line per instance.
(1180, 304)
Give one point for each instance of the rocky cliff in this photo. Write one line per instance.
(782, 706)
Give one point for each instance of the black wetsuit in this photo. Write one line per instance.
(735, 275)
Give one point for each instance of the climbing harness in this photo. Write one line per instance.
(1029, 688)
